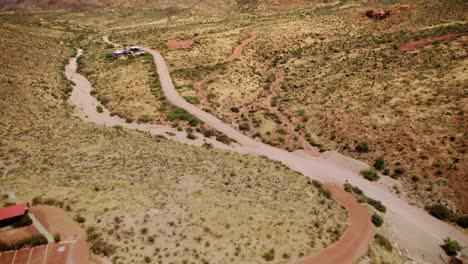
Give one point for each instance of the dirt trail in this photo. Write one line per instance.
(414, 229)
(86, 105)
(416, 44)
(234, 55)
(351, 243)
(238, 50)
(182, 44)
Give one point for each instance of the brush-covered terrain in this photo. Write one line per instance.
(141, 198)
(391, 92)
(318, 74)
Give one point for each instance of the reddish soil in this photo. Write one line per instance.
(58, 253)
(22, 255)
(416, 44)
(15, 234)
(55, 220)
(37, 256)
(183, 44)
(7, 257)
(353, 243)
(238, 50)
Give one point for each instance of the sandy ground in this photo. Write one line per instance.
(414, 229)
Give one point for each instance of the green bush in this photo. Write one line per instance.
(99, 109)
(383, 241)
(451, 247)
(371, 174)
(439, 211)
(24, 220)
(80, 219)
(144, 119)
(191, 136)
(244, 127)
(269, 255)
(376, 204)
(377, 220)
(192, 99)
(463, 221)
(379, 163)
(362, 147)
(32, 241)
(178, 114)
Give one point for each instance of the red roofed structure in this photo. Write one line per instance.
(13, 211)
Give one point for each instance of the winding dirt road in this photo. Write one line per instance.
(414, 229)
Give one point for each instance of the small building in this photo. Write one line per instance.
(11, 213)
(119, 53)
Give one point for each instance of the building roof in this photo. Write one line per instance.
(12, 211)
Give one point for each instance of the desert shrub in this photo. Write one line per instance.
(178, 114)
(144, 119)
(379, 163)
(104, 100)
(322, 190)
(24, 220)
(383, 241)
(362, 147)
(439, 211)
(208, 133)
(6, 204)
(147, 259)
(377, 220)
(235, 109)
(192, 99)
(370, 173)
(99, 109)
(48, 201)
(376, 204)
(348, 187)
(244, 127)
(57, 237)
(98, 245)
(398, 172)
(269, 255)
(451, 247)
(80, 219)
(463, 221)
(415, 178)
(32, 241)
(191, 136)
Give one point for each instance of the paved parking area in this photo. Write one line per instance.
(54, 253)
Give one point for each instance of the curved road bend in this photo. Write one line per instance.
(414, 229)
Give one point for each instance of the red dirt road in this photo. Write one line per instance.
(353, 243)
(416, 44)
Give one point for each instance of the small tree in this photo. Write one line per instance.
(362, 147)
(377, 220)
(463, 221)
(371, 174)
(439, 211)
(451, 247)
(379, 163)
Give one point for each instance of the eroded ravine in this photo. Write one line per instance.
(413, 228)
